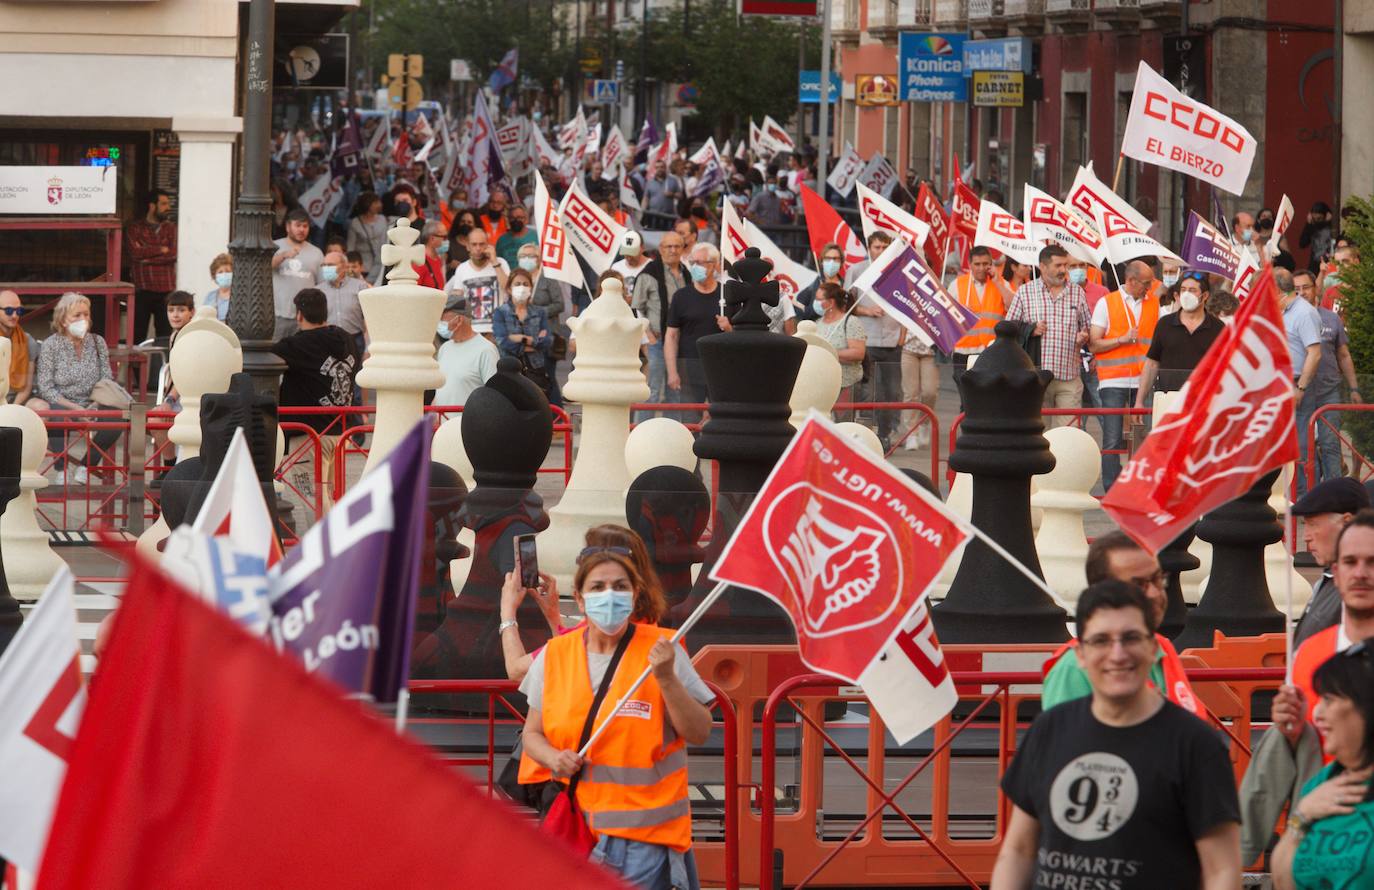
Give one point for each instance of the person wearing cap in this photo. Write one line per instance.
(632, 260)
(467, 359)
(1325, 510)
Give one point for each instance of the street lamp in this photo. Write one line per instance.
(251, 311)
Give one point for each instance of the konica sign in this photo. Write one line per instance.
(931, 67)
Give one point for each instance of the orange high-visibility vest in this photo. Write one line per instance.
(635, 785)
(1094, 274)
(990, 309)
(1128, 359)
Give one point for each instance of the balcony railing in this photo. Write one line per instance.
(1068, 7)
(984, 10)
(951, 12)
(1025, 9)
(913, 13)
(1117, 8)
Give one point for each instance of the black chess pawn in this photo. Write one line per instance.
(669, 507)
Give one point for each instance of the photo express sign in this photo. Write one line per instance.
(931, 67)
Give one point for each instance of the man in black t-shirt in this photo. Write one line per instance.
(1123, 790)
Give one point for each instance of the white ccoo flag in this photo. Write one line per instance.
(1282, 219)
(554, 252)
(879, 213)
(1047, 218)
(847, 168)
(1088, 193)
(1006, 234)
(594, 234)
(1124, 242)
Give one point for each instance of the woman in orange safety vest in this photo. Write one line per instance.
(633, 781)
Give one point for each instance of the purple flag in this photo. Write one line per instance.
(648, 135)
(907, 290)
(1209, 249)
(1219, 218)
(343, 600)
(348, 154)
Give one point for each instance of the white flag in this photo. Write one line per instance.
(879, 213)
(725, 149)
(847, 168)
(614, 153)
(909, 684)
(235, 507)
(628, 198)
(792, 277)
(378, 145)
(757, 144)
(1088, 193)
(594, 234)
(777, 137)
(1282, 220)
(41, 700)
(707, 151)
(733, 238)
(1246, 274)
(593, 144)
(482, 164)
(878, 175)
(554, 253)
(1168, 129)
(1005, 233)
(1047, 218)
(574, 131)
(422, 155)
(543, 152)
(1124, 242)
(322, 198)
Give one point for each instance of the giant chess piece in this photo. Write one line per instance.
(1174, 561)
(1065, 495)
(606, 381)
(750, 373)
(28, 551)
(11, 462)
(669, 507)
(1237, 600)
(1278, 563)
(400, 317)
(659, 442)
(442, 549)
(1001, 444)
(241, 407)
(818, 380)
(507, 428)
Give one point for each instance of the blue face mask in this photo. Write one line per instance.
(329, 273)
(772, 187)
(1247, 235)
(1078, 276)
(830, 268)
(529, 263)
(442, 330)
(224, 279)
(698, 273)
(1170, 279)
(609, 610)
(442, 249)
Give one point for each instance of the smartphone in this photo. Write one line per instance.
(527, 560)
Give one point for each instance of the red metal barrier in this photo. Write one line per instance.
(496, 690)
(1363, 469)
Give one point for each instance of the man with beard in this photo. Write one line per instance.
(151, 245)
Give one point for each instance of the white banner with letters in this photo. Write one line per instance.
(52, 190)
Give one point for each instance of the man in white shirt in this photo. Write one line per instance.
(883, 350)
(1119, 335)
(295, 266)
(467, 360)
(632, 260)
(480, 281)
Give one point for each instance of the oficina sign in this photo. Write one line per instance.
(44, 191)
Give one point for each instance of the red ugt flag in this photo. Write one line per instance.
(850, 547)
(207, 760)
(1237, 422)
(928, 210)
(824, 226)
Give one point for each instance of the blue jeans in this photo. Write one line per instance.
(645, 865)
(658, 380)
(1328, 455)
(1112, 426)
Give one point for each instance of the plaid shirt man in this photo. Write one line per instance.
(1064, 316)
(152, 250)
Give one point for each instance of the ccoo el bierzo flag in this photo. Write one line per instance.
(849, 548)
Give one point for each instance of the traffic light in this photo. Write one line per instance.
(404, 72)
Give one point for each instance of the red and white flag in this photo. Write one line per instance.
(1236, 422)
(590, 230)
(850, 547)
(628, 198)
(555, 254)
(964, 206)
(1283, 218)
(929, 211)
(1048, 219)
(376, 145)
(879, 175)
(1005, 233)
(792, 277)
(544, 153)
(1089, 193)
(877, 212)
(734, 241)
(756, 144)
(322, 197)
(513, 140)
(400, 150)
(615, 152)
(574, 131)
(848, 166)
(825, 226)
(1247, 274)
(1170, 130)
(777, 136)
(41, 700)
(421, 129)
(1123, 242)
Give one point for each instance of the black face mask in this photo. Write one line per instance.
(699, 212)
(403, 208)
(494, 214)
(517, 226)
(462, 231)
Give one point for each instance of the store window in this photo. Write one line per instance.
(1075, 136)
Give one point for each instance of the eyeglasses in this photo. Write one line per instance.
(592, 551)
(1131, 641)
(13, 310)
(1155, 580)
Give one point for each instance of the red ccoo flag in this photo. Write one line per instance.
(824, 225)
(207, 760)
(849, 547)
(1237, 422)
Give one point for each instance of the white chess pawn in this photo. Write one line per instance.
(659, 442)
(1278, 566)
(606, 380)
(30, 561)
(863, 436)
(400, 316)
(202, 361)
(818, 379)
(1063, 496)
(447, 448)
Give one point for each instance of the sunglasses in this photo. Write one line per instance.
(13, 310)
(592, 551)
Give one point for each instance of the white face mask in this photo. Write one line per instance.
(520, 293)
(79, 328)
(1189, 301)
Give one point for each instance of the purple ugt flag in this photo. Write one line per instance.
(1209, 249)
(907, 290)
(343, 600)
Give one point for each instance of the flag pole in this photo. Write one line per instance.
(1120, 162)
(402, 710)
(1290, 533)
(687, 625)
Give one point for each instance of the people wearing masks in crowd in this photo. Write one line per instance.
(652, 296)
(1316, 235)
(1122, 781)
(222, 274)
(521, 331)
(1325, 510)
(70, 365)
(150, 243)
(1180, 341)
(480, 281)
(295, 267)
(493, 219)
(846, 334)
(1336, 366)
(643, 824)
(694, 312)
(466, 359)
(550, 294)
(1303, 326)
(517, 235)
(1121, 331)
(765, 208)
(1053, 313)
(1333, 276)
(1080, 274)
(662, 191)
(433, 271)
(23, 352)
(831, 268)
(341, 293)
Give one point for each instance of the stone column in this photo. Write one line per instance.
(606, 380)
(32, 562)
(204, 196)
(400, 318)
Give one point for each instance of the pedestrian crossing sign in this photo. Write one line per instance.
(606, 92)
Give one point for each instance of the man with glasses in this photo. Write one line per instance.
(1325, 511)
(23, 351)
(653, 290)
(1121, 788)
(1335, 364)
(1180, 341)
(1115, 556)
